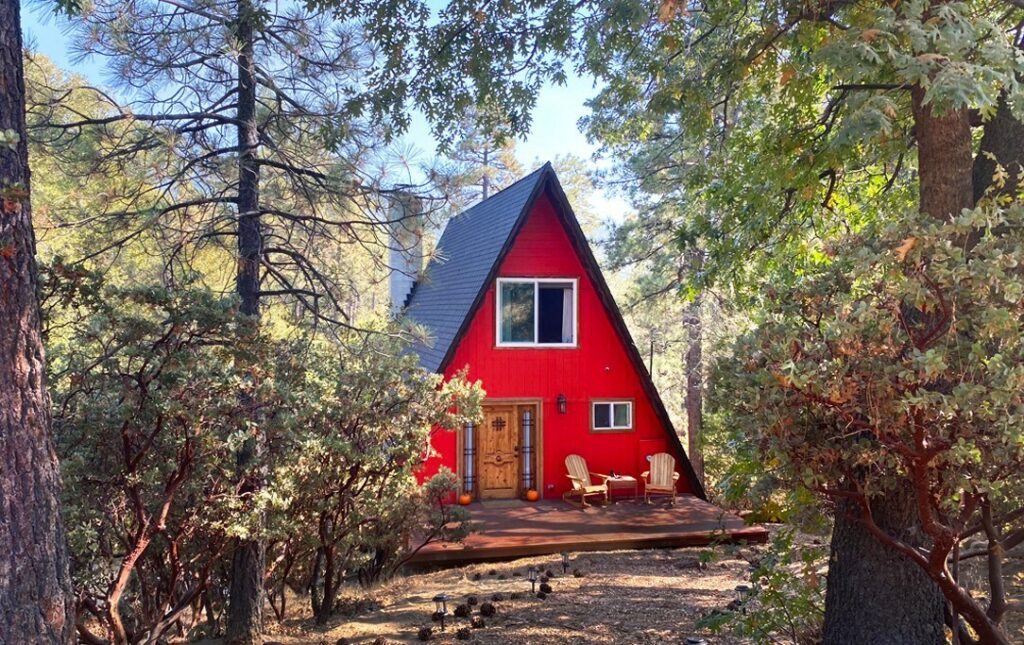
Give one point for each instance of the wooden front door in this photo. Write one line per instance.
(498, 448)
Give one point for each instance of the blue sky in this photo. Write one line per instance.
(554, 131)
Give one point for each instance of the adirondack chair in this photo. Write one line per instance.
(661, 478)
(582, 485)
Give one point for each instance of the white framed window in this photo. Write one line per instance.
(611, 416)
(536, 312)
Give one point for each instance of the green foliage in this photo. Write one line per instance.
(904, 353)
(154, 392)
(341, 495)
(786, 597)
(478, 164)
(146, 418)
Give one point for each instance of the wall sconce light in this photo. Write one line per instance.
(563, 403)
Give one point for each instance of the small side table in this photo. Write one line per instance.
(622, 482)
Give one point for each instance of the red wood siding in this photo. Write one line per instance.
(598, 368)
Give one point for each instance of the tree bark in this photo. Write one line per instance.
(36, 597)
(695, 385)
(944, 158)
(245, 605)
(1002, 138)
(874, 594)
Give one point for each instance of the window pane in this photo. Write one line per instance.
(555, 324)
(517, 312)
(622, 415)
(602, 415)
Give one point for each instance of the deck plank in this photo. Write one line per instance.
(550, 527)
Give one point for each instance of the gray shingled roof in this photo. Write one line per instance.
(469, 248)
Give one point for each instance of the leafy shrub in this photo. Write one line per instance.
(155, 391)
(786, 599)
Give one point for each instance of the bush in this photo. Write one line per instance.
(786, 596)
(155, 392)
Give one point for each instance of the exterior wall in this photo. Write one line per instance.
(598, 368)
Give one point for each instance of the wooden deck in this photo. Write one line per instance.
(514, 529)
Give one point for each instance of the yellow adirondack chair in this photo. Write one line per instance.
(661, 478)
(582, 486)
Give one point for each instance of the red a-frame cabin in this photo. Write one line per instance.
(514, 293)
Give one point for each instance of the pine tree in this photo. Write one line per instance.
(36, 596)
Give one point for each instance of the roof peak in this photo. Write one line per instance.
(544, 168)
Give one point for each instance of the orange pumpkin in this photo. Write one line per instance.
(465, 499)
(532, 495)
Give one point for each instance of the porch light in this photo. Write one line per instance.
(565, 562)
(531, 575)
(441, 607)
(562, 403)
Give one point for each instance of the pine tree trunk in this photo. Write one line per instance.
(875, 595)
(695, 386)
(36, 598)
(245, 605)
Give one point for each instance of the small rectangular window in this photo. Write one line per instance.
(609, 416)
(540, 311)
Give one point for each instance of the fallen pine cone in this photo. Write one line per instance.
(487, 609)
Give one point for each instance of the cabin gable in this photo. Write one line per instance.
(601, 365)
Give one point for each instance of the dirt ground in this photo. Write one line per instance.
(623, 597)
(654, 596)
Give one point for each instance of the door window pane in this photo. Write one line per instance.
(517, 312)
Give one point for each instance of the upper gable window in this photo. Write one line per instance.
(536, 311)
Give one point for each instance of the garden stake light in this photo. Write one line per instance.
(441, 607)
(532, 577)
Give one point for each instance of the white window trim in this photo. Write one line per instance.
(611, 415)
(536, 309)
